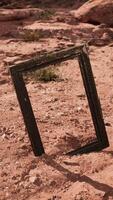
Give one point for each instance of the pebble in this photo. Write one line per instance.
(107, 124)
(11, 108)
(79, 109)
(33, 179)
(4, 136)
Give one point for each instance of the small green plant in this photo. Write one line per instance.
(46, 15)
(45, 75)
(32, 35)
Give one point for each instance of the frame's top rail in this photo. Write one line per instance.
(47, 59)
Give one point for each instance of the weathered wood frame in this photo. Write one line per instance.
(90, 88)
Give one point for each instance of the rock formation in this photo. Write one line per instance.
(95, 12)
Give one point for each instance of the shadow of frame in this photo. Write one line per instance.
(48, 160)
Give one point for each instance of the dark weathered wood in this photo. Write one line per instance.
(94, 101)
(95, 107)
(90, 88)
(28, 115)
(47, 59)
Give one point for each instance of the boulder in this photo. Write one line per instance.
(95, 12)
(18, 14)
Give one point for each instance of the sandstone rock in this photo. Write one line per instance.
(95, 12)
(103, 33)
(11, 60)
(18, 14)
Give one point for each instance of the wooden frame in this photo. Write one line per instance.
(90, 88)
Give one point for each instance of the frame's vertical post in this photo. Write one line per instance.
(93, 99)
(27, 112)
(94, 105)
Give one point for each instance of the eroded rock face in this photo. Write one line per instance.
(95, 12)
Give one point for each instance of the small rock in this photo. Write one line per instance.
(3, 174)
(81, 96)
(106, 37)
(24, 147)
(35, 179)
(47, 116)
(70, 44)
(66, 38)
(102, 25)
(55, 99)
(4, 136)
(60, 19)
(107, 124)
(79, 109)
(11, 108)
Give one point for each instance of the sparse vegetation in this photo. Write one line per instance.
(32, 35)
(44, 75)
(46, 15)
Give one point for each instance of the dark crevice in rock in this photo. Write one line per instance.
(93, 22)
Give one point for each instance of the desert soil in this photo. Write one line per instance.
(61, 111)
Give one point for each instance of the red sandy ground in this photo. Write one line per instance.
(63, 117)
